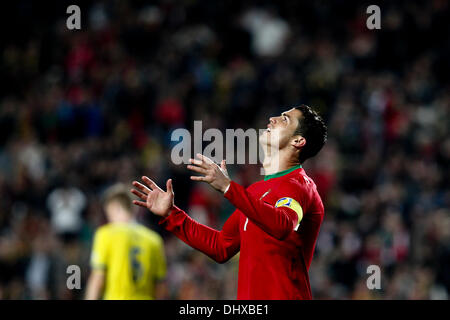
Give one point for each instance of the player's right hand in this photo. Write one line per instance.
(154, 198)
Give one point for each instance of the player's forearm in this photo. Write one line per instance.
(203, 238)
(95, 285)
(278, 222)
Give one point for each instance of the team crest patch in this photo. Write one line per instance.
(291, 204)
(284, 202)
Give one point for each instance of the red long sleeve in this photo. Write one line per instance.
(218, 245)
(278, 222)
(274, 257)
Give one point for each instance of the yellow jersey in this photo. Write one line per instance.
(132, 257)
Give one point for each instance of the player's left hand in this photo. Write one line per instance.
(216, 176)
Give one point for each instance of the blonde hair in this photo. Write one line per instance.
(120, 193)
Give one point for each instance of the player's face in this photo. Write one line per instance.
(281, 129)
(115, 212)
(110, 210)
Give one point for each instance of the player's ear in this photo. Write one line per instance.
(298, 142)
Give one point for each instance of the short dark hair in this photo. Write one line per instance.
(312, 127)
(119, 193)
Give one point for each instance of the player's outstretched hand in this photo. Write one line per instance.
(216, 176)
(154, 198)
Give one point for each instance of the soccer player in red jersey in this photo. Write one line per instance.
(276, 221)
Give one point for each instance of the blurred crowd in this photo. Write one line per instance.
(83, 109)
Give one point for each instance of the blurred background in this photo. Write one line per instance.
(81, 110)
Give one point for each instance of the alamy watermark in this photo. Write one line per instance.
(374, 20)
(232, 147)
(74, 20)
(74, 278)
(374, 280)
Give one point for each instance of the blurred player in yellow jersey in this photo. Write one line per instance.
(127, 259)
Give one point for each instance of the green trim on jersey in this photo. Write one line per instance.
(281, 173)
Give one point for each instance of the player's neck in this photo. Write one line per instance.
(278, 162)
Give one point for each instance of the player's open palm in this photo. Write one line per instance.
(216, 176)
(155, 199)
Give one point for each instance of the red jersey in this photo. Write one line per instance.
(275, 228)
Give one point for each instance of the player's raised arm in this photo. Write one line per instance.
(218, 245)
(154, 198)
(278, 222)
